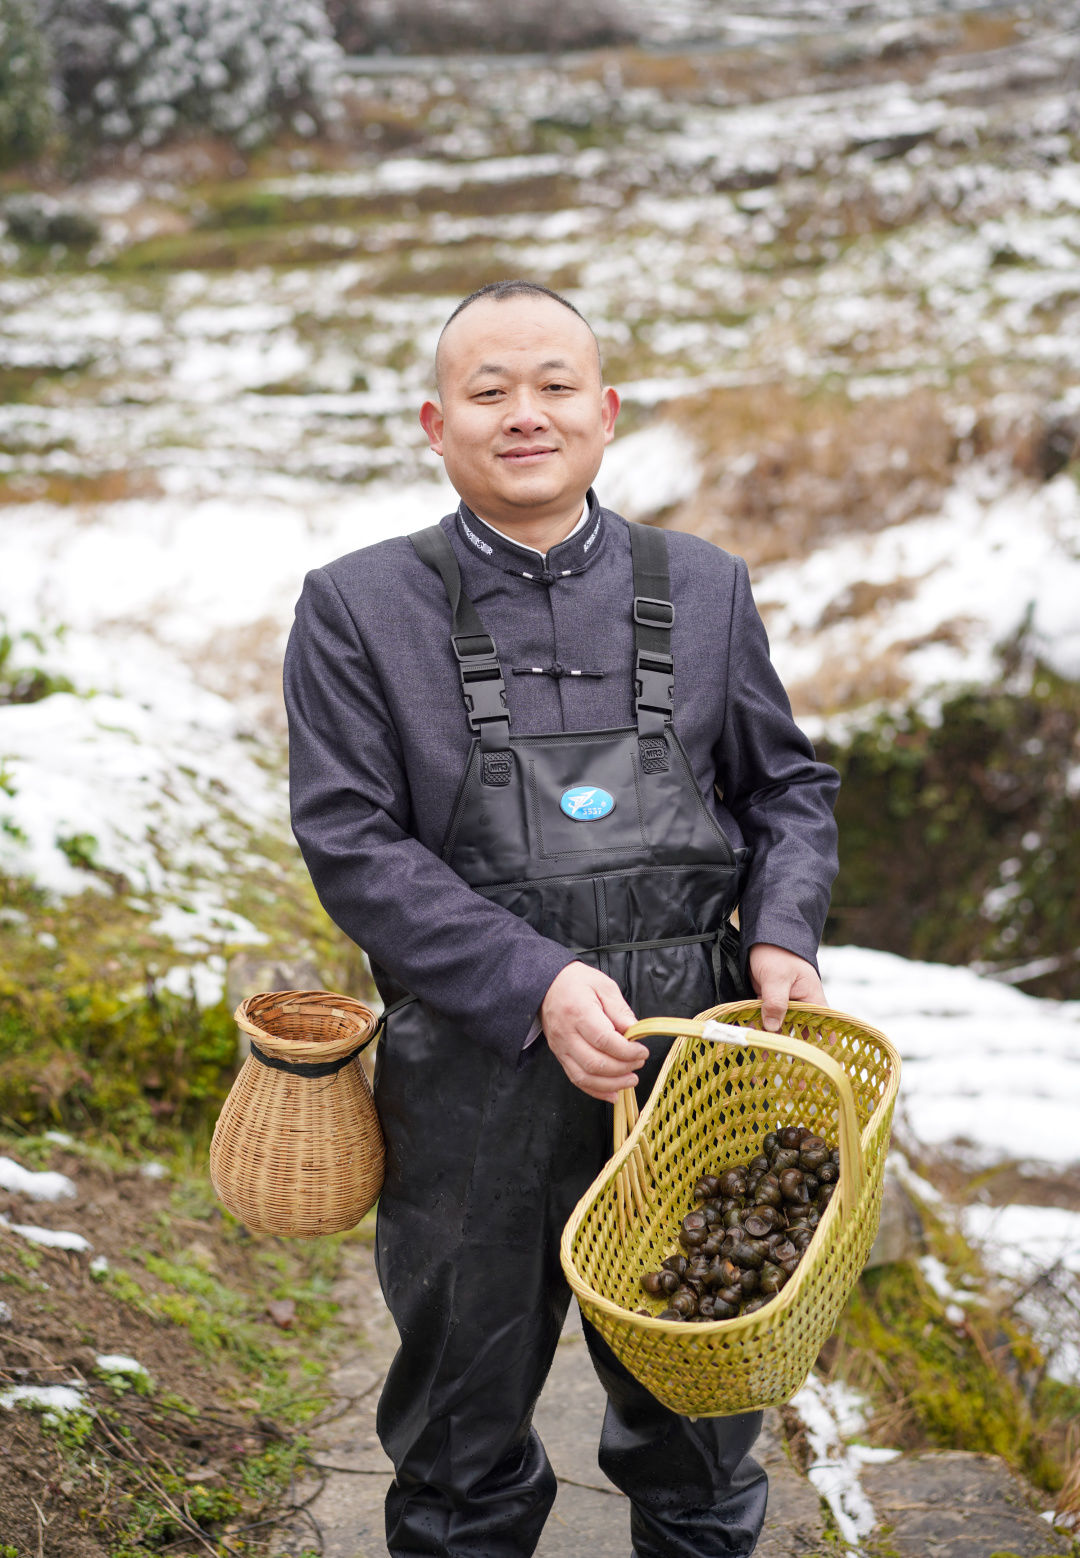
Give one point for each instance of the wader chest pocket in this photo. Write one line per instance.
(584, 798)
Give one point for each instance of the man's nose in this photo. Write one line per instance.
(525, 410)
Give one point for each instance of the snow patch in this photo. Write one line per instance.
(46, 1398)
(985, 1065)
(51, 1238)
(832, 1413)
(1036, 1251)
(647, 472)
(118, 1363)
(45, 1185)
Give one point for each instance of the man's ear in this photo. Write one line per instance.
(609, 410)
(431, 420)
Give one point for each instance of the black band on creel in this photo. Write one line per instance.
(305, 1068)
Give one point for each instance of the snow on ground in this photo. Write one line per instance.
(144, 768)
(118, 1363)
(51, 1238)
(994, 559)
(984, 1065)
(991, 1075)
(833, 1414)
(1035, 1250)
(47, 1398)
(42, 1186)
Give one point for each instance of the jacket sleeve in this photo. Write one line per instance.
(780, 795)
(482, 966)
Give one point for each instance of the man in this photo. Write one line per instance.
(538, 755)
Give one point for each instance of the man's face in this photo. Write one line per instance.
(523, 417)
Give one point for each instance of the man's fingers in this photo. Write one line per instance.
(628, 1052)
(774, 1004)
(584, 1015)
(614, 1004)
(595, 1073)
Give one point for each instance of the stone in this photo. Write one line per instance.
(958, 1504)
(900, 1234)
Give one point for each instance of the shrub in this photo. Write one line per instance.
(26, 103)
(21, 682)
(446, 26)
(40, 219)
(144, 69)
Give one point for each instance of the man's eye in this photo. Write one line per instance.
(488, 394)
(558, 388)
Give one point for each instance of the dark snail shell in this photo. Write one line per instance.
(772, 1278)
(768, 1190)
(813, 1153)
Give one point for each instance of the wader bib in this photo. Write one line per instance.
(602, 842)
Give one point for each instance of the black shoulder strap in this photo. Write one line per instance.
(482, 683)
(654, 615)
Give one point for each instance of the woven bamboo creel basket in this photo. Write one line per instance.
(720, 1090)
(298, 1148)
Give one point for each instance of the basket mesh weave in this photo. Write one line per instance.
(710, 1108)
(295, 1154)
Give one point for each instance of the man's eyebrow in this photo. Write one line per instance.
(497, 369)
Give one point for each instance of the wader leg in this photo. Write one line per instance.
(484, 1165)
(694, 1488)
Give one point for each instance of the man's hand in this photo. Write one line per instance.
(584, 1017)
(779, 976)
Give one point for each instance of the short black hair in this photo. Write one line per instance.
(498, 292)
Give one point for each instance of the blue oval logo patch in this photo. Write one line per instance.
(586, 803)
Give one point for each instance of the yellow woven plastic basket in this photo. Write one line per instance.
(721, 1088)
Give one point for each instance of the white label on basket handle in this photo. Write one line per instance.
(727, 1033)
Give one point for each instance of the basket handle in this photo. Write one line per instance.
(852, 1167)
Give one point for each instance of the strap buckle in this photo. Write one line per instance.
(654, 682)
(663, 616)
(485, 694)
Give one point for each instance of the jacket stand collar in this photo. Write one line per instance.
(571, 556)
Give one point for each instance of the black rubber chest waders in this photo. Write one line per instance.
(602, 842)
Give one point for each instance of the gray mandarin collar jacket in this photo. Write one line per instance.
(379, 740)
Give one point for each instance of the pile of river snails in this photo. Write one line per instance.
(749, 1231)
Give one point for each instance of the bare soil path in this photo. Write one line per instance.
(928, 1506)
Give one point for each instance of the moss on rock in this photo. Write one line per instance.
(960, 835)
